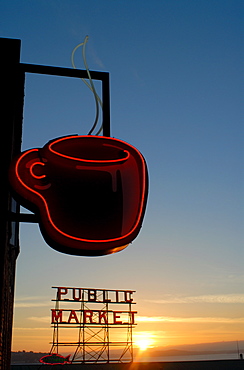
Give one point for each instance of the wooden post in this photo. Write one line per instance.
(11, 113)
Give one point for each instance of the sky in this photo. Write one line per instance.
(176, 83)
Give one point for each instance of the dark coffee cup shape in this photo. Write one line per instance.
(90, 192)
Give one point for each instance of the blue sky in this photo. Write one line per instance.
(176, 70)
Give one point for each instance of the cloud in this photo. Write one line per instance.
(22, 330)
(33, 301)
(95, 58)
(31, 304)
(152, 319)
(30, 298)
(45, 319)
(224, 298)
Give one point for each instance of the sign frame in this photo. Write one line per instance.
(93, 326)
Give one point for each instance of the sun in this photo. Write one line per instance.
(143, 344)
(144, 341)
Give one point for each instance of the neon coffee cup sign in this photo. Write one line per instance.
(90, 192)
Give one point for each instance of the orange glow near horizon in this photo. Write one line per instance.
(32, 330)
(144, 340)
(38, 339)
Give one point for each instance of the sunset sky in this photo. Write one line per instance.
(176, 70)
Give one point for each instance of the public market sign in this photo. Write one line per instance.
(91, 316)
